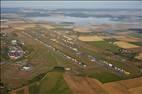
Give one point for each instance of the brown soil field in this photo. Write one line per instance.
(15, 77)
(115, 88)
(85, 85)
(131, 86)
(90, 38)
(136, 90)
(131, 83)
(125, 45)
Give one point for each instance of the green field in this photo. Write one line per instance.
(137, 43)
(104, 45)
(137, 35)
(105, 77)
(53, 83)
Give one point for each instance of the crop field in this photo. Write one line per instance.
(23, 26)
(47, 26)
(90, 38)
(139, 56)
(104, 45)
(52, 83)
(127, 38)
(137, 35)
(64, 83)
(131, 86)
(82, 29)
(92, 86)
(105, 77)
(84, 85)
(125, 45)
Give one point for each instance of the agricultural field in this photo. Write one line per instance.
(23, 26)
(127, 38)
(95, 87)
(139, 56)
(90, 38)
(47, 26)
(125, 45)
(82, 29)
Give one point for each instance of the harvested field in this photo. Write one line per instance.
(131, 83)
(47, 26)
(127, 39)
(90, 38)
(82, 29)
(125, 45)
(136, 90)
(85, 85)
(23, 26)
(131, 86)
(139, 56)
(115, 88)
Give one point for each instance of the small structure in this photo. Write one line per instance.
(15, 52)
(26, 67)
(84, 66)
(14, 42)
(110, 65)
(67, 69)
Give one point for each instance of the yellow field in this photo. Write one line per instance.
(23, 26)
(90, 38)
(82, 29)
(139, 56)
(47, 26)
(125, 45)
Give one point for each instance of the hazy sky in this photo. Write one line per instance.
(73, 4)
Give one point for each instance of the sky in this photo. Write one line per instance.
(74, 4)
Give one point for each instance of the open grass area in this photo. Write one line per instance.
(105, 77)
(34, 89)
(53, 83)
(137, 43)
(104, 45)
